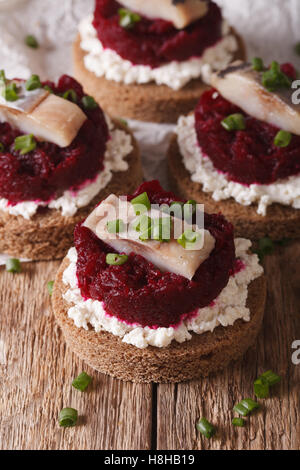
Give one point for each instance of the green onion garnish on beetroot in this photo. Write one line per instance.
(25, 143)
(258, 64)
(188, 239)
(82, 381)
(67, 417)
(246, 406)
(141, 203)
(70, 95)
(13, 265)
(31, 41)
(50, 285)
(33, 83)
(283, 139)
(238, 422)
(89, 102)
(234, 122)
(128, 18)
(206, 428)
(115, 259)
(274, 79)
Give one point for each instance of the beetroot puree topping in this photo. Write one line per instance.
(248, 156)
(156, 42)
(49, 170)
(137, 292)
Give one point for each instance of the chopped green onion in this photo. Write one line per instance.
(141, 203)
(143, 223)
(261, 388)
(2, 77)
(115, 226)
(115, 259)
(246, 406)
(25, 143)
(70, 95)
(297, 48)
(67, 417)
(274, 79)
(1, 147)
(162, 229)
(33, 83)
(47, 88)
(271, 378)
(283, 139)
(31, 41)
(10, 92)
(193, 206)
(265, 247)
(177, 208)
(13, 265)
(82, 381)
(123, 121)
(50, 287)
(258, 64)
(238, 422)
(128, 18)
(146, 234)
(89, 102)
(234, 122)
(206, 428)
(188, 238)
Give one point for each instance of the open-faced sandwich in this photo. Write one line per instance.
(144, 59)
(239, 152)
(155, 289)
(59, 157)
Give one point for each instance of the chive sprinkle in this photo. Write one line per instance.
(70, 95)
(47, 88)
(50, 285)
(191, 205)
(31, 41)
(238, 422)
(234, 122)
(25, 143)
(68, 417)
(89, 102)
(13, 265)
(114, 259)
(128, 18)
(115, 226)
(206, 428)
(274, 79)
(261, 388)
(33, 83)
(282, 139)
(10, 92)
(258, 64)
(246, 406)
(141, 203)
(188, 238)
(82, 381)
(271, 378)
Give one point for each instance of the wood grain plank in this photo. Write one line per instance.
(36, 371)
(277, 425)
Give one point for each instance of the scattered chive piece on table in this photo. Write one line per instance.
(50, 287)
(274, 79)
(283, 139)
(25, 143)
(115, 259)
(258, 64)
(261, 388)
(238, 422)
(82, 381)
(67, 417)
(33, 83)
(1, 147)
(70, 95)
(115, 226)
(246, 406)
(271, 378)
(142, 203)
(206, 428)
(13, 265)
(234, 122)
(128, 18)
(89, 102)
(297, 48)
(31, 41)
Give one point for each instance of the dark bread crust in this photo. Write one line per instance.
(202, 355)
(280, 222)
(48, 235)
(147, 102)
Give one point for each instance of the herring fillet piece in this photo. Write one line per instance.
(168, 257)
(49, 117)
(242, 85)
(181, 14)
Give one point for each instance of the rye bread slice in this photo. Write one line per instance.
(146, 102)
(279, 223)
(201, 356)
(48, 235)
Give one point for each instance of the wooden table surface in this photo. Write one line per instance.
(36, 371)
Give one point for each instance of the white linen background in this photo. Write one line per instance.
(270, 29)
